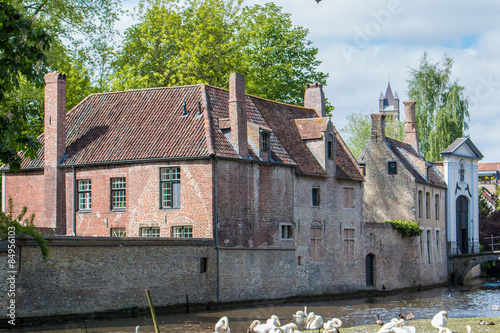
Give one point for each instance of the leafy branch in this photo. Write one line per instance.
(22, 227)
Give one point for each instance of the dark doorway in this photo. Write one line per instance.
(463, 224)
(370, 281)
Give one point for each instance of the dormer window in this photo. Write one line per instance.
(265, 141)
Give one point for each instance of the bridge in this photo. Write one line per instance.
(461, 264)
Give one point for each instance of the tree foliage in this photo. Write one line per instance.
(22, 58)
(203, 41)
(357, 131)
(15, 224)
(442, 110)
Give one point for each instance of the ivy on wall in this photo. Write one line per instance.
(406, 228)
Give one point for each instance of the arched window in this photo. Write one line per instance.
(436, 206)
(427, 205)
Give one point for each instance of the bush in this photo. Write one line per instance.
(406, 228)
(27, 228)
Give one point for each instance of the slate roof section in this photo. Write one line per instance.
(455, 145)
(149, 124)
(415, 163)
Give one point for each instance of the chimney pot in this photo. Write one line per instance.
(410, 127)
(238, 114)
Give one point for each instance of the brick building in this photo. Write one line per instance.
(203, 162)
(401, 184)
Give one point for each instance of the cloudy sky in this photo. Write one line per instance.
(363, 44)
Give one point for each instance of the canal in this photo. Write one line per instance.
(475, 299)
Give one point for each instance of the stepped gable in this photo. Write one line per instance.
(415, 163)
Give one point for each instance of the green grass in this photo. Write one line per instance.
(424, 326)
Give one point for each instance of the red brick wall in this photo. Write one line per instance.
(252, 200)
(143, 200)
(26, 189)
(142, 195)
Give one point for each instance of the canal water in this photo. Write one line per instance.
(473, 300)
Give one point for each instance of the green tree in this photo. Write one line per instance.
(22, 59)
(203, 41)
(442, 110)
(275, 56)
(357, 131)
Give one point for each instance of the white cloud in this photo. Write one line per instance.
(364, 43)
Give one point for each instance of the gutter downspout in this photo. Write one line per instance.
(216, 229)
(73, 202)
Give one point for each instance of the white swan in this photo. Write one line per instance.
(389, 326)
(404, 329)
(314, 322)
(440, 320)
(274, 320)
(289, 328)
(444, 330)
(277, 330)
(332, 325)
(301, 317)
(222, 326)
(469, 329)
(137, 329)
(495, 307)
(257, 327)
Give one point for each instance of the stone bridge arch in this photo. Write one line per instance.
(462, 264)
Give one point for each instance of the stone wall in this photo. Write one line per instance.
(91, 275)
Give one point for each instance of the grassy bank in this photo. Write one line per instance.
(457, 325)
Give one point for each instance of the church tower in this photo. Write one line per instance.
(389, 104)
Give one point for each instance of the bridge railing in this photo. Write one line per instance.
(491, 243)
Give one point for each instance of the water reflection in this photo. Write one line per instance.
(473, 300)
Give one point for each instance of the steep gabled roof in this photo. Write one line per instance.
(183, 122)
(415, 163)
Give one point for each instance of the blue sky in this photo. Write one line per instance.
(364, 43)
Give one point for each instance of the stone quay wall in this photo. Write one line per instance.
(87, 275)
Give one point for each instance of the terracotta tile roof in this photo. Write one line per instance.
(150, 124)
(488, 166)
(415, 163)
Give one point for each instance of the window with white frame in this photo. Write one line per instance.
(118, 232)
(84, 194)
(170, 187)
(349, 238)
(150, 232)
(182, 231)
(286, 231)
(438, 247)
(118, 197)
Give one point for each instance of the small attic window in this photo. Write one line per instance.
(265, 140)
(362, 167)
(392, 167)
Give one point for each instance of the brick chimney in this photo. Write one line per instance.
(54, 148)
(238, 113)
(378, 126)
(410, 130)
(314, 98)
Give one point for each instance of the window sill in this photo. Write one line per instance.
(169, 208)
(119, 210)
(84, 211)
